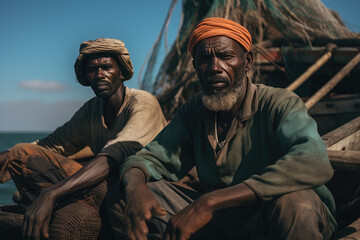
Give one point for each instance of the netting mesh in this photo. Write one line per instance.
(83, 219)
(266, 20)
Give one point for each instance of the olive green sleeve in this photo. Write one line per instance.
(304, 164)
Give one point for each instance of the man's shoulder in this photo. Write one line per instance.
(267, 94)
(140, 95)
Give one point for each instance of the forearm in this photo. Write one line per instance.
(92, 173)
(238, 195)
(133, 177)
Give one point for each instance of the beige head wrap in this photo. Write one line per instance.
(103, 45)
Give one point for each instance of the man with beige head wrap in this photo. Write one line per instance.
(117, 122)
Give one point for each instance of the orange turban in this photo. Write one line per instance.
(214, 26)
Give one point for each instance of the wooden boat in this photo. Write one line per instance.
(340, 135)
(343, 146)
(11, 218)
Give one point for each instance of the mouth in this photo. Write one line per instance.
(216, 84)
(101, 84)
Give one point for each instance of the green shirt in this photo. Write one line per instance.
(272, 146)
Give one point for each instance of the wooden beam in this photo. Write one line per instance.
(353, 229)
(344, 160)
(341, 132)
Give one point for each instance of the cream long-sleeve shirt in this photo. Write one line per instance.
(138, 121)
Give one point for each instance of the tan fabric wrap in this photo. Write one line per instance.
(103, 45)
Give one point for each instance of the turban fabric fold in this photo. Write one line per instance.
(103, 45)
(214, 26)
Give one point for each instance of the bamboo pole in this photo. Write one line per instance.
(333, 82)
(313, 68)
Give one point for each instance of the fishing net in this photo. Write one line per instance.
(83, 219)
(267, 20)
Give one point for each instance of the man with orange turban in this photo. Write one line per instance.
(115, 123)
(261, 164)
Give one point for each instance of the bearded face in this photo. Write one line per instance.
(218, 101)
(221, 65)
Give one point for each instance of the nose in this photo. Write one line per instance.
(215, 67)
(100, 73)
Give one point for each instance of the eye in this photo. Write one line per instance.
(224, 56)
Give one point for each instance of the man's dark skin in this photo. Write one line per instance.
(220, 63)
(106, 79)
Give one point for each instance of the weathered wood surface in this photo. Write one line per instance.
(343, 145)
(351, 232)
(342, 132)
(349, 143)
(11, 220)
(344, 160)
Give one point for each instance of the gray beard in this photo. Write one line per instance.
(217, 102)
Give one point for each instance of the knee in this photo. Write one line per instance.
(22, 149)
(18, 156)
(296, 205)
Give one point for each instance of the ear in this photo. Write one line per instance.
(194, 63)
(196, 70)
(121, 76)
(249, 61)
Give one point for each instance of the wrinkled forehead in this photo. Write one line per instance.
(218, 44)
(101, 57)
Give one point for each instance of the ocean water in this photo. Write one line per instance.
(7, 140)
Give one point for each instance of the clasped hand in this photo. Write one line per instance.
(37, 217)
(188, 221)
(141, 205)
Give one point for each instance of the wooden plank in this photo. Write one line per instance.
(345, 160)
(341, 132)
(337, 105)
(353, 236)
(307, 56)
(353, 229)
(349, 143)
(11, 221)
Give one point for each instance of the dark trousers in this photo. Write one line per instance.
(297, 215)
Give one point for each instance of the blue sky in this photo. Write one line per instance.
(39, 43)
